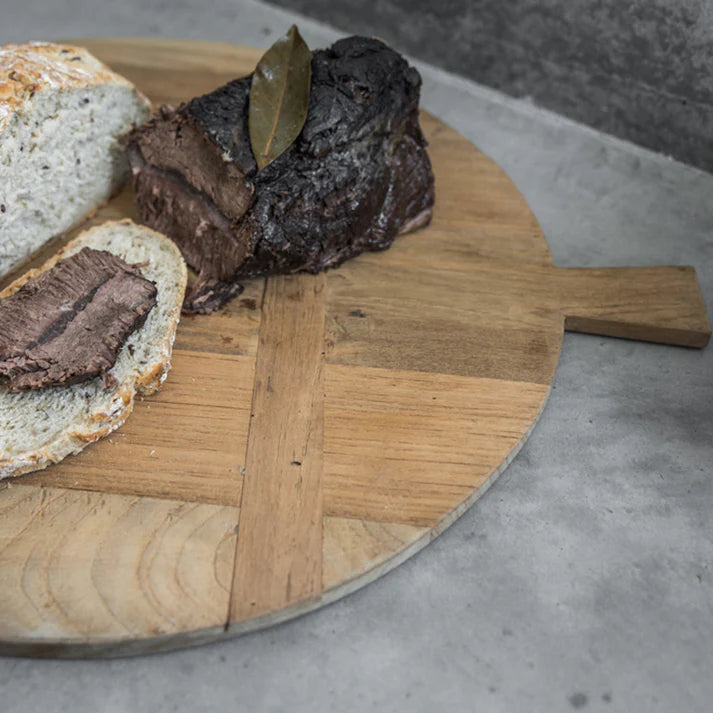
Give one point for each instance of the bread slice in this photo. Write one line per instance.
(41, 427)
(63, 116)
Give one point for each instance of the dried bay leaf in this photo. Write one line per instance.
(279, 97)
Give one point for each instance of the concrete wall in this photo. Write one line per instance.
(639, 69)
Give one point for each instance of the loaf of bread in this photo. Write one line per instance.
(63, 115)
(41, 427)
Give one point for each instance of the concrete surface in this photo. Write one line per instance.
(638, 69)
(583, 580)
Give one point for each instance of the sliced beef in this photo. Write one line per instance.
(357, 175)
(67, 324)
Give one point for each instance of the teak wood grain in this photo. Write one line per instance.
(278, 561)
(320, 429)
(658, 304)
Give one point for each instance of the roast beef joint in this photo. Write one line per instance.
(357, 175)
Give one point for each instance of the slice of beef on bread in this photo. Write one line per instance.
(44, 426)
(63, 117)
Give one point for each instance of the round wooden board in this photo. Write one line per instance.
(319, 430)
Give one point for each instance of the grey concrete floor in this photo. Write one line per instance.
(584, 578)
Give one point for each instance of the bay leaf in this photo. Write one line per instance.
(279, 96)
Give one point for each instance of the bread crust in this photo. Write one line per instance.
(100, 423)
(31, 67)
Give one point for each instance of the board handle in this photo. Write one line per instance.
(655, 304)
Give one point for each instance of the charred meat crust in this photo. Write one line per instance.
(357, 175)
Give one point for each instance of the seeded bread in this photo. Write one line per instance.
(41, 427)
(63, 115)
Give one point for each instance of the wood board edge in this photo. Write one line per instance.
(156, 644)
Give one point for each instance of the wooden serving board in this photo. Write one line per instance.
(319, 430)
